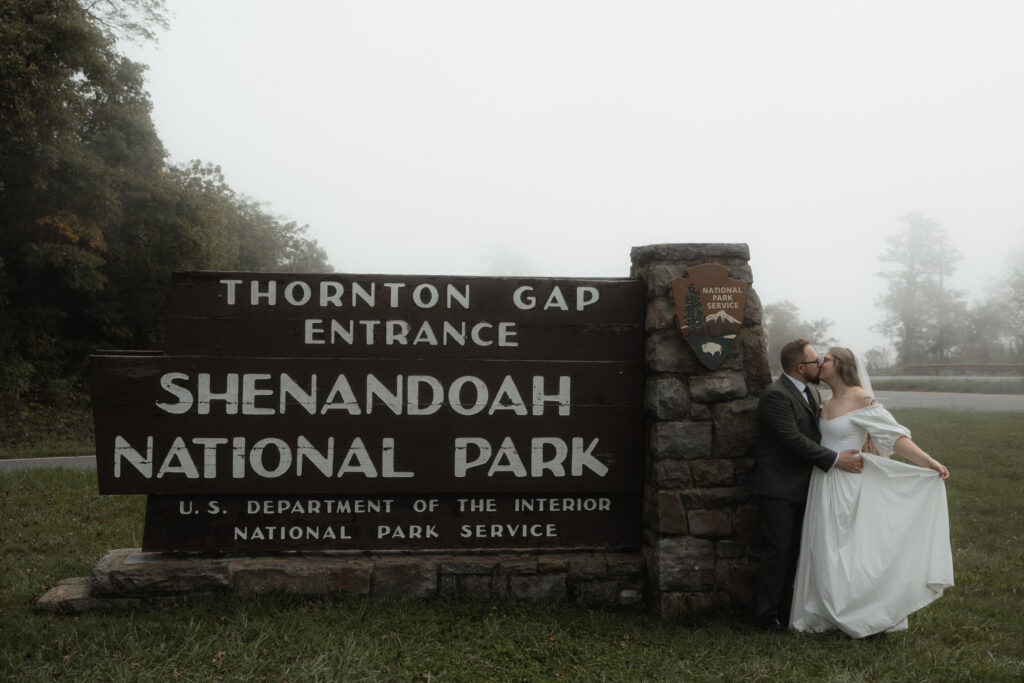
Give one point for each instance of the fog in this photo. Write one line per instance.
(548, 138)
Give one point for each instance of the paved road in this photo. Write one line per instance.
(982, 403)
(1013, 403)
(79, 462)
(985, 403)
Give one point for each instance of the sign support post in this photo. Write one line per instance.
(700, 518)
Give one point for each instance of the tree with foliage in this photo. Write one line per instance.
(923, 314)
(1013, 298)
(878, 358)
(693, 313)
(92, 218)
(782, 323)
(134, 20)
(74, 127)
(996, 324)
(986, 336)
(241, 234)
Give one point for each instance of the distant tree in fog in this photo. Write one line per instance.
(501, 260)
(923, 315)
(782, 323)
(986, 337)
(1006, 302)
(878, 358)
(993, 329)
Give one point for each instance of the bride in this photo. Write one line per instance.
(874, 546)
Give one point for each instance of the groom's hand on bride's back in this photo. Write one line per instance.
(850, 461)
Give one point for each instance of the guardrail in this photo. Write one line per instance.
(953, 369)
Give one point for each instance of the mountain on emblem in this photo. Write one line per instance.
(724, 317)
(709, 307)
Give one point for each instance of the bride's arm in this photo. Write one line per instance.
(912, 452)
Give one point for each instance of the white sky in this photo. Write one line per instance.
(548, 137)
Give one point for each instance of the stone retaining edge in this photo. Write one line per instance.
(128, 577)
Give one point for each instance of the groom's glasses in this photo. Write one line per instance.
(816, 361)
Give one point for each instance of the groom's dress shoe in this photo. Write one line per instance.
(772, 623)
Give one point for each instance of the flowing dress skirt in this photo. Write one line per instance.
(874, 548)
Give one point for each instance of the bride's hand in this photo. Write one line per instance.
(941, 469)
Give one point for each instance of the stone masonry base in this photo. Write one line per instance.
(128, 577)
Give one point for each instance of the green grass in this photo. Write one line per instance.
(34, 431)
(53, 525)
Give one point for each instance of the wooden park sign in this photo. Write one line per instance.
(336, 412)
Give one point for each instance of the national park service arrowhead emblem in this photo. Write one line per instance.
(709, 308)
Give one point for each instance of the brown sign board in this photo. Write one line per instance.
(246, 524)
(186, 424)
(374, 316)
(409, 388)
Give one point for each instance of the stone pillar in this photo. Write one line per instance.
(700, 517)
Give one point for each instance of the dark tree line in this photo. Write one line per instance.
(93, 217)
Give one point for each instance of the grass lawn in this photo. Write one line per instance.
(53, 525)
(32, 431)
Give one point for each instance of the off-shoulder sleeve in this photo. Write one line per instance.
(882, 427)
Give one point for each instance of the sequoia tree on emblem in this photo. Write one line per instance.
(709, 307)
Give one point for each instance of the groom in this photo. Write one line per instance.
(787, 450)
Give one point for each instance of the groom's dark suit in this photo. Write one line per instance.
(787, 450)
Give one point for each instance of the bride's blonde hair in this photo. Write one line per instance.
(845, 365)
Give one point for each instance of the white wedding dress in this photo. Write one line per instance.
(875, 546)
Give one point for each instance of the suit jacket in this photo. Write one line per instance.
(787, 442)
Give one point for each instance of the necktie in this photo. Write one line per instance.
(810, 399)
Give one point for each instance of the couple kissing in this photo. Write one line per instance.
(850, 538)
